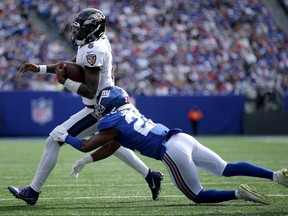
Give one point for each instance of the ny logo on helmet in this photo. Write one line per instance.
(105, 93)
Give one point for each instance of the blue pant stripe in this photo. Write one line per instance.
(178, 178)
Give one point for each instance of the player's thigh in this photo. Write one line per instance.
(181, 167)
(208, 160)
(81, 124)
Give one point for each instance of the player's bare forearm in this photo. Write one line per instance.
(86, 91)
(92, 80)
(35, 68)
(51, 68)
(105, 151)
(99, 140)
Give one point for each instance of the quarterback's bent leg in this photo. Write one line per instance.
(153, 178)
(131, 159)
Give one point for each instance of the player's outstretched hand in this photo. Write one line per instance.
(77, 167)
(29, 67)
(80, 164)
(59, 134)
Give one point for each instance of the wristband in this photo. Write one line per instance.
(72, 85)
(74, 142)
(43, 69)
(87, 159)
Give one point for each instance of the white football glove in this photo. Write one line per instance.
(59, 134)
(79, 165)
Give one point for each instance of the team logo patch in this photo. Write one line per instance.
(91, 59)
(42, 110)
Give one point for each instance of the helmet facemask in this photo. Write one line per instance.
(98, 111)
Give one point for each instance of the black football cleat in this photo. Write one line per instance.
(154, 181)
(26, 194)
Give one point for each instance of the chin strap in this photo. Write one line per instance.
(126, 106)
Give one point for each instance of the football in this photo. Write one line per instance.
(74, 71)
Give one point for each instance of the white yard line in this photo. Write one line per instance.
(140, 184)
(123, 197)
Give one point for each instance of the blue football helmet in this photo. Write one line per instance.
(88, 26)
(110, 99)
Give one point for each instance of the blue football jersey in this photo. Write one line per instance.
(137, 132)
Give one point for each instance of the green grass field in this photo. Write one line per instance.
(109, 187)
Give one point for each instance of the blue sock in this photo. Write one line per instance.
(247, 169)
(214, 196)
(74, 142)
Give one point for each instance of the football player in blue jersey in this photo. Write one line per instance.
(180, 152)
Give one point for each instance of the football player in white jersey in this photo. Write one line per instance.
(181, 153)
(95, 56)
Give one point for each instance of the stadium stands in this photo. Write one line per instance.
(161, 47)
(20, 43)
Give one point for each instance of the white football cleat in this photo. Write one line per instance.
(281, 176)
(248, 194)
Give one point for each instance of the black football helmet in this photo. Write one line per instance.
(88, 26)
(110, 99)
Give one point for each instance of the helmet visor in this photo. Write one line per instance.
(77, 32)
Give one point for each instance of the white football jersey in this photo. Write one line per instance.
(96, 54)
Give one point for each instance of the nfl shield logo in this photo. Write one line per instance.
(42, 111)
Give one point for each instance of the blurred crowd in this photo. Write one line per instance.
(20, 43)
(164, 47)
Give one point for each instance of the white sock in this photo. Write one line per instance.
(237, 194)
(46, 165)
(275, 177)
(131, 159)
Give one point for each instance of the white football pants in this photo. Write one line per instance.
(184, 154)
